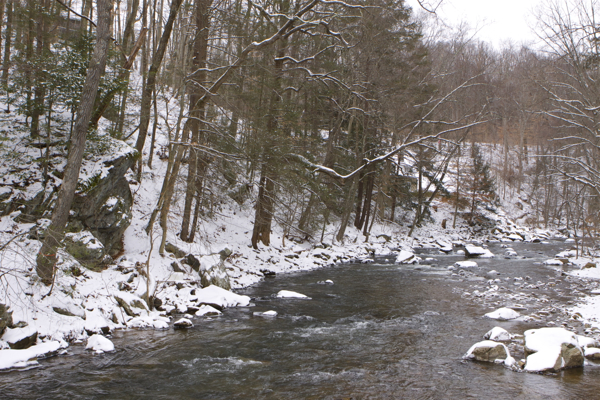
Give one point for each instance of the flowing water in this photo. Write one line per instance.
(381, 331)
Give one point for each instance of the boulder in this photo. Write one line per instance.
(6, 320)
(214, 272)
(476, 251)
(193, 262)
(182, 323)
(488, 351)
(498, 334)
(99, 344)
(176, 251)
(552, 349)
(87, 249)
(133, 305)
(503, 314)
(406, 257)
(20, 338)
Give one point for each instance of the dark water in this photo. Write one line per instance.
(382, 331)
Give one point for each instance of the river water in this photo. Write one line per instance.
(381, 331)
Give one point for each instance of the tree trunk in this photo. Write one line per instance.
(150, 83)
(46, 258)
(197, 114)
(7, 43)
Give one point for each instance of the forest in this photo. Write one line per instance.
(315, 110)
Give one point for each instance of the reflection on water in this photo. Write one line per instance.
(381, 331)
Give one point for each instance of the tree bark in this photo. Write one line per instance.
(46, 258)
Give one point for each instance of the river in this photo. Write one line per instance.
(381, 331)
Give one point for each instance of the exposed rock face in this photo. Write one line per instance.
(105, 209)
(20, 338)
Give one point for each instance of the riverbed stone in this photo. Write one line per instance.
(551, 350)
(20, 338)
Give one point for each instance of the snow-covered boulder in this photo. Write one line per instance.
(266, 314)
(95, 322)
(23, 358)
(212, 270)
(220, 297)
(466, 264)
(20, 338)
(206, 310)
(551, 349)
(503, 314)
(87, 249)
(182, 323)
(406, 257)
(5, 318)
(498, 334)
(553, 262)
(488, 351)
(477, 251)
(131, 304)
(99, 344)
(591, 353)
(288, 294)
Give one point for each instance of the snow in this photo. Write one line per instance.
(503, 314)
(17, 334)
(23, 358)
(553, 262)
(476, 251)
(288, 294)
(99, 344)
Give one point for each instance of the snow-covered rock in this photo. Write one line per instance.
(99, 344)
(221, 297)
(488, 351)
(466, 264)
(183, 323)
(288, 294)
(551, 349)
(22, 358)
(206, 310)
(477, 251)
(20, 338)
(406, 257)
(553, 261)
(266, 314)
(503, 314)
(498, 334)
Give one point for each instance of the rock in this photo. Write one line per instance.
(20, 338)
(99, 344)
(592, 353)
(476, 251)
(406, 257)
(182, 323)
(6, 320)
(266, 314)
(87, 249)
(206, 310)
(488, 351)
(95, 322)
(176, 267)
(104, 205)
(288, 294)
(176, 251)
(215, 273)
(553, 262)
(503, 314)
(589, 265)
(192, 261)
(466, 264)
(498, 334)
(133, 305)
(551, 349)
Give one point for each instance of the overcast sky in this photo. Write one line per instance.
(495, 21)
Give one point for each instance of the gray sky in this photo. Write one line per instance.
(495, 21)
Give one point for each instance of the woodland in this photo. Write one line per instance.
(317, 111)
